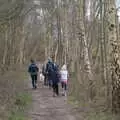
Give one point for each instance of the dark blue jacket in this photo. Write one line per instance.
(49, 65)
(54, 76)
(33, 69)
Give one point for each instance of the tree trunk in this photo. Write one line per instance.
(114, 57)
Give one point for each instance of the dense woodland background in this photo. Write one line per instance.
(84, 34)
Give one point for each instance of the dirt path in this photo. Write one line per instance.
(46, 107)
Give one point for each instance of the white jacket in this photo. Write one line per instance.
(64, 75)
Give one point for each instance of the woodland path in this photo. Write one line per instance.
(47, 107)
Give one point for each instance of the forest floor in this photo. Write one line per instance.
(47, 107)
(43, 105)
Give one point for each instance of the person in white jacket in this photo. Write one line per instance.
(64, 79)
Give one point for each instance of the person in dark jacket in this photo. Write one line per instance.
(33, 71)
(54, 76)
(49, 67)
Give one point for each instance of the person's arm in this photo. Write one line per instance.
(46, 70)
(37, 68)
(68, 75)
(43, 69)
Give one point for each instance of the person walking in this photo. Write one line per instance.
(54, 74)
(49, 67)
(64, 79)
(33, 71)
(44, 74)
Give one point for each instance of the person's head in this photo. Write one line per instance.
(32, 61)
(64, 67)
(49, 59)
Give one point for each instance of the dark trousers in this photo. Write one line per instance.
(55, 89)
(34, 80)
(64, 85)
(50, 83)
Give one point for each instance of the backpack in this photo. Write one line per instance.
(34, 69)
(50, 67)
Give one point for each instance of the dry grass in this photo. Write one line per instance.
(12, 83)
(83, 107)
(90, 111)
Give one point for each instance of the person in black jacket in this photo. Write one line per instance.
(54, 76)
(33, 71)
(49, 67)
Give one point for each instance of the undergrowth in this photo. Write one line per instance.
(20, 105)
(89, 113)
(14, 99)
(85, 109)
